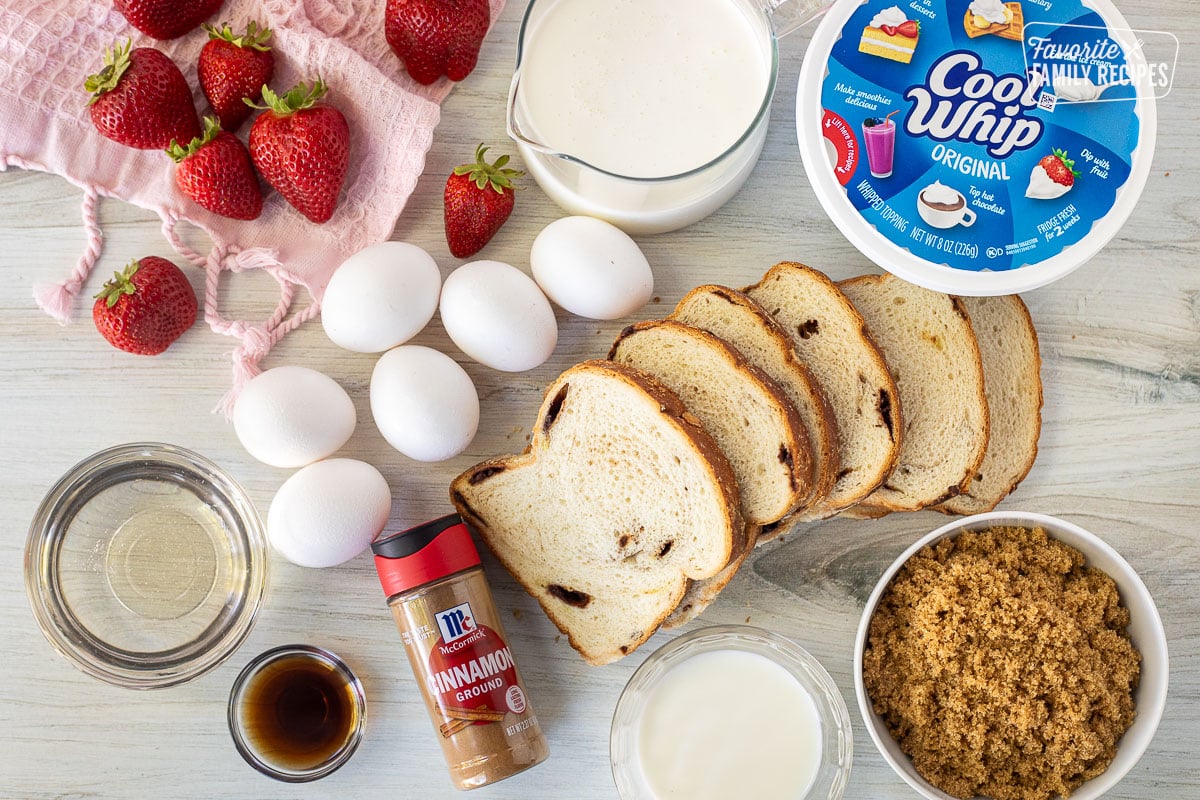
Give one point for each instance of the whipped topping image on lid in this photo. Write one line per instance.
(942, 197)
(993, 11)
(889, 16)
(1002, 173)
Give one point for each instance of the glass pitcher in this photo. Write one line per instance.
(647, 185)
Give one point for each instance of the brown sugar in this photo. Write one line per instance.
(1002, 665)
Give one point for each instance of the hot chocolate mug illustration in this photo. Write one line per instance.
(942, 206)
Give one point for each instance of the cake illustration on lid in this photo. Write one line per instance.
(998, 18)
(891, 35)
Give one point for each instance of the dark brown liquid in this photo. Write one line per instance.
(297, 713)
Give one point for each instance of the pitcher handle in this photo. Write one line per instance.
(788, 15)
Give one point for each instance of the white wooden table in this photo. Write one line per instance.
(1120, 455)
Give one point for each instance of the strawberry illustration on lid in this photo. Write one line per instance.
(1052, 177)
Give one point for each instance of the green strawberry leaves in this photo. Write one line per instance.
(496, 175)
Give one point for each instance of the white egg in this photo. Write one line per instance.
(328, 512)
(498, 316)
(591, 268)
(292, 416)
(424, 403)
(380, 297)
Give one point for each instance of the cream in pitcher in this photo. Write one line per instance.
(648, 113)
(629, 85)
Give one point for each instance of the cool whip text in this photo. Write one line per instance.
(962, 101)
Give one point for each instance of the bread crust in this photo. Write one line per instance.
(676, 415)
(701, 594)
(962, 504)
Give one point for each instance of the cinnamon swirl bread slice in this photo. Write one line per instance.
(748, 415)
(746, 325)
(831, 339)
(933, 355)
(621, 500)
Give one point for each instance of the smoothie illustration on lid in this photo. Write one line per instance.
(976, 146)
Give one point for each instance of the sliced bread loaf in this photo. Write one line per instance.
(743, 323)
(747, 414)
(831, 339)
(620, 500)
(933, 356)
(1012, 380)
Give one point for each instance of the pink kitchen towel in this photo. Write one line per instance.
(48, 48)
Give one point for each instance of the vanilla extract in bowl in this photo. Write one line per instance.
(296, 713)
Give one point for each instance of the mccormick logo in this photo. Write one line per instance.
(962, 101)
(455, 623)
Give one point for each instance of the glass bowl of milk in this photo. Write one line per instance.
(647, 113)
(731, 711)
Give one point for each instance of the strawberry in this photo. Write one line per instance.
(436, 37)
(1060, 168)
(146, 307)
(909, 28)
(234, 67)
(141, 99)
(215, 171)
(302, 148)
(478, 200)
(166, 19)
(890, 30)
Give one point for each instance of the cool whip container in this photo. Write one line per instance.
(976, 147)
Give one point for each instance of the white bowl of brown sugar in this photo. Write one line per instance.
(1012, 656)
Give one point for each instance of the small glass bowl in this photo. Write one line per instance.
(836, 733)
(273, 737)
(146, 565)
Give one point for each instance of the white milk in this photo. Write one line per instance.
(728, 723)
(643, 89)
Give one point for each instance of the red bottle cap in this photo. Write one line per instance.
(426, 553)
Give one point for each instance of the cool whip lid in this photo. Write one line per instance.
(977, 147)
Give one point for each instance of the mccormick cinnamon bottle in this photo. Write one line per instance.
(440, 598)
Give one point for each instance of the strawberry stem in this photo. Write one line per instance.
(298, 98)
(119, 285)
(254, 38)
(179, 152)
(1069, 163)
(116, 61)
(483, 174)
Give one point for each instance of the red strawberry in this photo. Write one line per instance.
(1060, 168)
(141, 99)
(146, 307)
(234, 67)
(910, 28)
(215, 171)
(436, 37)
(302, 148)
(478, 199)
(890, 30)
(166, 19)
